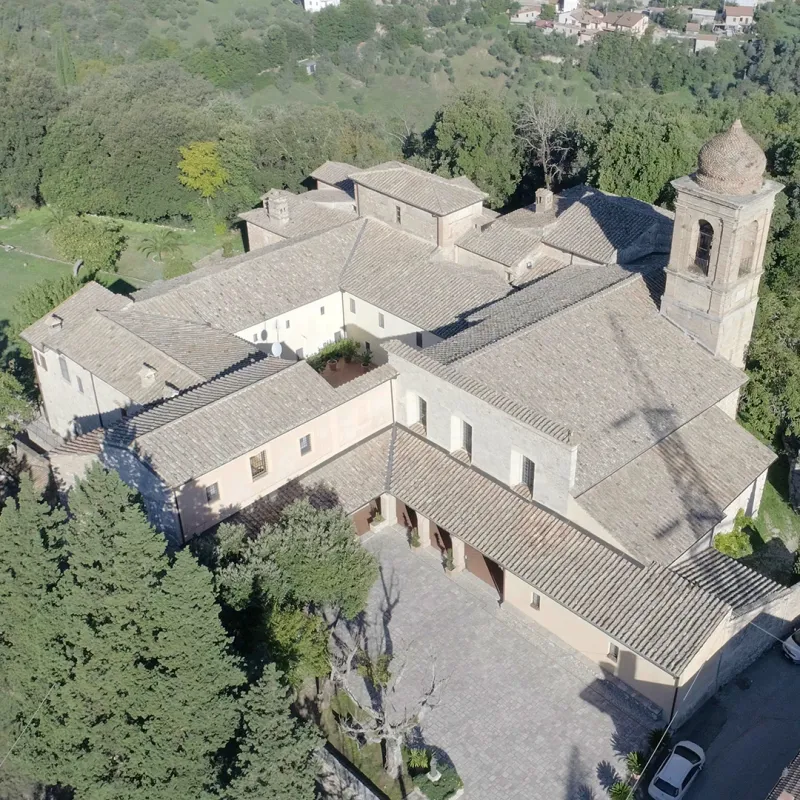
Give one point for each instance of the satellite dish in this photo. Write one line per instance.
(276, 349)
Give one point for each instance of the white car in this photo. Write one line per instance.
(791, 647)
(676, 774)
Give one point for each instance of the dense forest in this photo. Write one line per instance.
(183, 112)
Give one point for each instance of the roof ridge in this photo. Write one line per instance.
(624, 281)
(353, 249)
(150, 344)
(261, 362)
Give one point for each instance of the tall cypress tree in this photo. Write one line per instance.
(146, 700)
(29, 569)
(277, 756)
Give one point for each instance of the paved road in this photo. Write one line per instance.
(520, 717)
(750, 731)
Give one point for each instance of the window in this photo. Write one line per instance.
(367, 346)
(419, 339)
(305, 444)
(398, 215)
(79, 382)
(466, 437)
(536, 601)
(422, 412)
(705, 238)
(352, 305)
(62, 362)
(528, 470)
(258, 465)
(288, 324)
(613, 652)
(212, 493)
(40, 359)
(381, 320)
(322, 311)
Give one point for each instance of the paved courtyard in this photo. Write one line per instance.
(521, 717)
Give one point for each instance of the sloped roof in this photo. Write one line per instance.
(190, 438)
(624, 19)
(99, 333)
(351, 479)
(305, 216)
(418, 188)
(611, 369)
(552, 293)
(651, 610)
(664, 500)
(504, 244)
(267, 283)
(336, 173)
(730, 580)
(399, 273)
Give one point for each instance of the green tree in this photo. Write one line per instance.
(298, 644)
(201, 168)
(65, 66)
(40, 299)
(143, 700)
(277, 754)
(309, 557)
(548, 12)
(16, 409)
(164, 242)
(474, 136)
(30, 533)
(99, 244)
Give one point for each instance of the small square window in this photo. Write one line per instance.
(79, 383)
(305, 444)
(398, 215)
(352, 305)
(212, 493)
(258, 465)
(422, 412)
(381, 320)
(613, 652)
(536, 601)
(322, 311)
(42, 361)
(419, 339)
(62, 362)
(288, 324)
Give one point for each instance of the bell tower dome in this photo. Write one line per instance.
(722, 217)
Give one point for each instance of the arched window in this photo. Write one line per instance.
(705, 238)
(748, 249)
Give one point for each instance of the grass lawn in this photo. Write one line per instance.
(18, 269)
(777, 534)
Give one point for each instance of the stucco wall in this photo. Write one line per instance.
(639, 673)
(308, 329)
(70, 411)
(330, 433)
(497, 439)
(363, 326)
(258, 237)
(413, 220)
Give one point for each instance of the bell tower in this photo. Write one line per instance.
(722, 217)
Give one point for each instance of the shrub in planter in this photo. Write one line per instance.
(737, 543)
(377, 518)
(418, 760)
(449, 563)
(447, 785)
(349, 349)
(332, 352)
(366, 358)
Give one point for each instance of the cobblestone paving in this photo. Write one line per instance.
(520, 716)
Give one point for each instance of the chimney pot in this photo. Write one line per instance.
(278, 208)
(544, 200)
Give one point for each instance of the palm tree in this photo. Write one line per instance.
(164, 242)
(55, 218)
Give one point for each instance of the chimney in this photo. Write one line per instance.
(147, 374)
(278, 208)
(544, 200)
(55, 322)
(170, 389)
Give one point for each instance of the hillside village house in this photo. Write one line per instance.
(626, 21)
(553, 397)
(737, 18)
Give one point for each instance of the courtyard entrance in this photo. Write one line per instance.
(484, 568)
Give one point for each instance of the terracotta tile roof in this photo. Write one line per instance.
(336, 173)
(190, 435)
(730, 580)
(420, 189)
(502, 243)
(612, 370)
(651, 610)
(100, 331)
(663, 501)
(305, 216)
